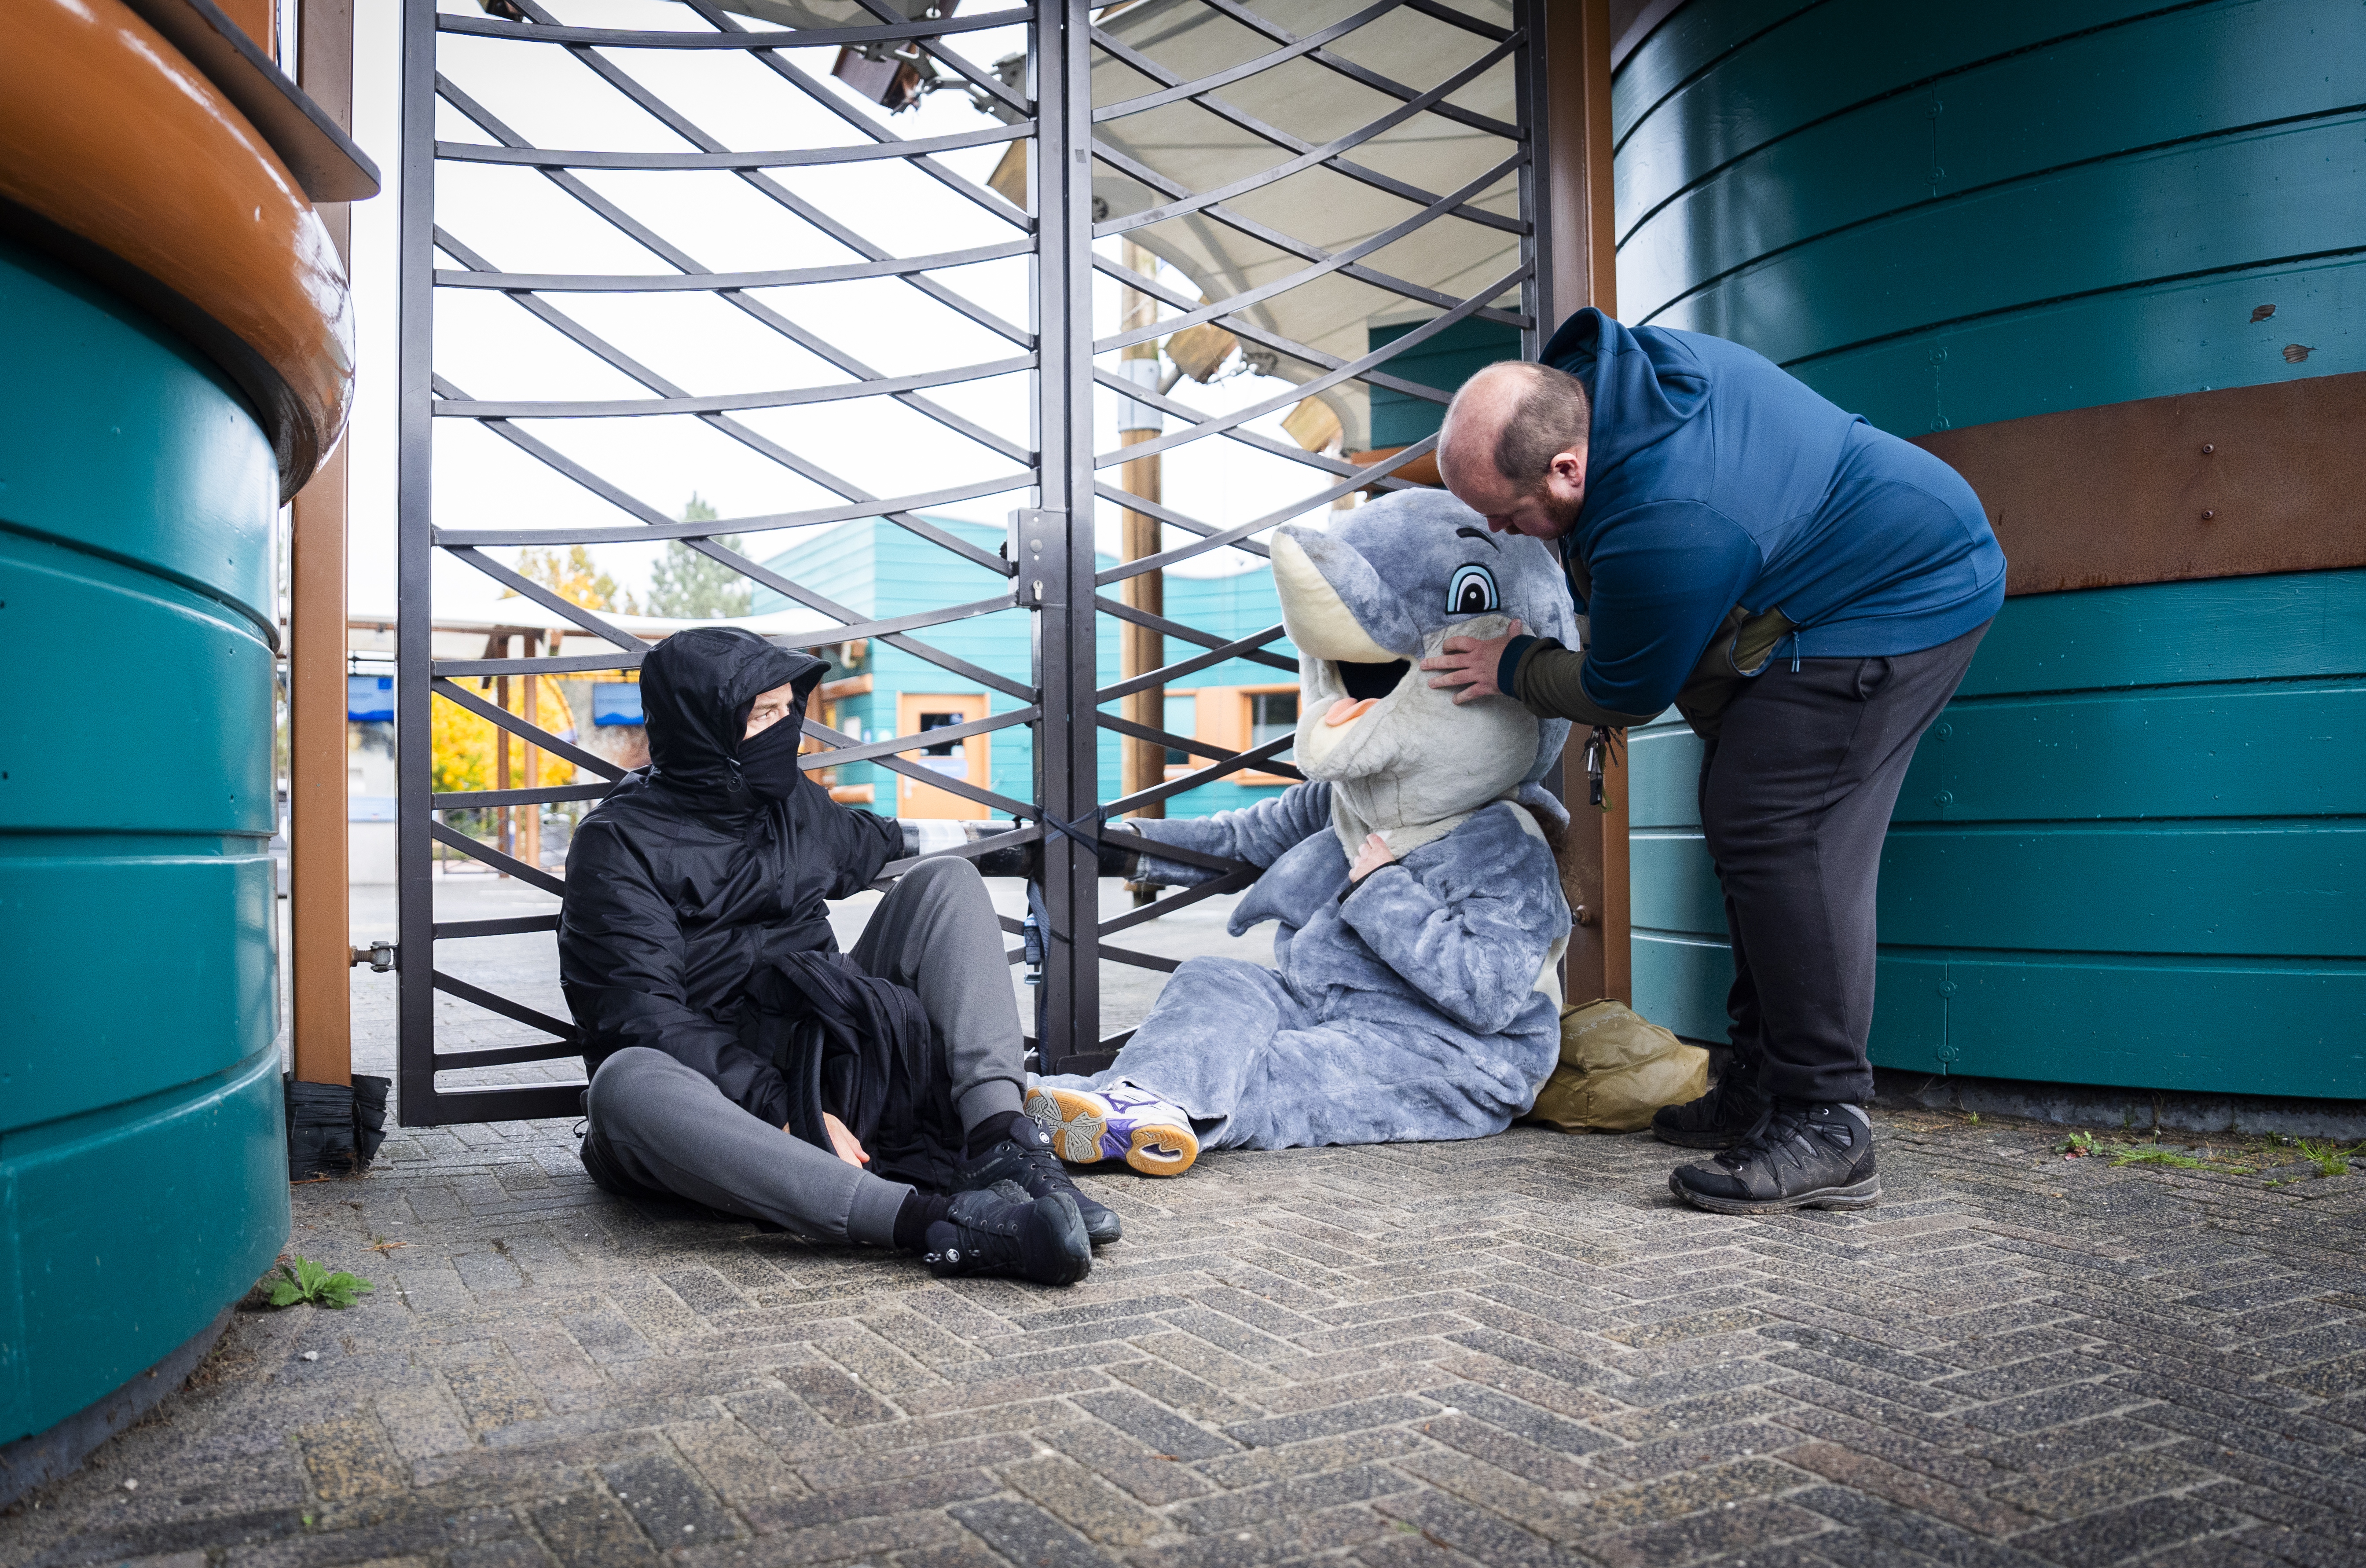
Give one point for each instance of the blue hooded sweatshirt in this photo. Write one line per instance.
(1715, 478)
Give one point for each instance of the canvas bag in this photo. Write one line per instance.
(1617, 1068)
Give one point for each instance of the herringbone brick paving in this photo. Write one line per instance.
(1512, 1351)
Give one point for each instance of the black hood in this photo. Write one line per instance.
(696, 689)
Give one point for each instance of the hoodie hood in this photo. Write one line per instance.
(1645, 385)
(696, 689)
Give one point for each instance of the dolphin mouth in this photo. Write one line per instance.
(1373, 681)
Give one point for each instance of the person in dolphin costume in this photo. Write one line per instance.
(1416, 991)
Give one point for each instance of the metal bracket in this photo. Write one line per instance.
(378, 955)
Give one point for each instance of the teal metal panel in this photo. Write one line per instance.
(1819, 61)
(2095, 96)
(1445, 362)
(2140, 343)
(140, 1136)
(123, 441)
(2210, 206)
(2143, 815)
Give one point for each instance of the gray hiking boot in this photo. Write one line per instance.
(1803, 1153)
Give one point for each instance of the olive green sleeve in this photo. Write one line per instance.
(1546, 681)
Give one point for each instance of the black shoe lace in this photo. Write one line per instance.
(1773, 1131)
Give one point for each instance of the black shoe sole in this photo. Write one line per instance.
(1859, 1195)
(1105, 1230)
(1052, 1246)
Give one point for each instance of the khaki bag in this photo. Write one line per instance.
(1617, 1068)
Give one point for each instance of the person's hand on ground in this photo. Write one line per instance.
(1370, 858)
(843, 1141)
(1470, 663)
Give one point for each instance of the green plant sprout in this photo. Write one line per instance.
(2330, 1158)
(305, 1281)
(2078, 1145)
(2155, 1156)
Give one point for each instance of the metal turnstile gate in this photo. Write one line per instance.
(1338, 200)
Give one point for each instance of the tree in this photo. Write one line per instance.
(574, 577)
(688, 586)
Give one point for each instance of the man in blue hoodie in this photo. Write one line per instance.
(1808, 592)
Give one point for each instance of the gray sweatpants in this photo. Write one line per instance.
(657, 1125)
(1795, 793)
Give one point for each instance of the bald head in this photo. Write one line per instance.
(1513, 448)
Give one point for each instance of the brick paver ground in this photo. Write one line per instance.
(1513, 1351)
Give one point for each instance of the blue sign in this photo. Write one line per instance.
(616, 702)
(369, 699)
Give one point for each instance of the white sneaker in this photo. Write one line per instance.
(1121, 1122)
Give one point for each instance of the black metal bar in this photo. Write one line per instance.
(1280, 239)
(519, 925)
(716, 282)
(452, 838)
(1166, 514)
(801, 37)
(1164, 627)
(782, 158)
(1246, 68)
(728, 402)
(517, 1012)
(1053, 543)
(1354, 368)
(1193, 780)
(1230, 882)
(1334, 261)
(505, 1055)
(1232, 113)
(543, 794)
(1298, 508)
(533, 735)
(1173, 742)
(1307, 160)
(414, 633)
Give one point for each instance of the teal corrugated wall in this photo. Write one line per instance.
(2132, 851)
(143, 1181)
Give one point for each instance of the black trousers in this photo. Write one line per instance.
(1795, 792)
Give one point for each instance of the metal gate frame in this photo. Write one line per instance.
(1051, 555)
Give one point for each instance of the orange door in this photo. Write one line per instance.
(964, 760)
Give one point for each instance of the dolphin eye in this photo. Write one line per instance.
(1473, 593)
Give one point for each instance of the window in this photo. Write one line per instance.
(1182, 718)
(953, 762)
(1272, 716)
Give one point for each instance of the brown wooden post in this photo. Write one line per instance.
(1142, 649)
(530, 814)
(320, 933)
(1574, 106)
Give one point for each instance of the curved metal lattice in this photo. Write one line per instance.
(1315, 201)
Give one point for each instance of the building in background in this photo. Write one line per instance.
(875, 690)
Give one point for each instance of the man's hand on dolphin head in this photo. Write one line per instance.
(1499, 457)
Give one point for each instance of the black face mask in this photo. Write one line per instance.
(768, 763)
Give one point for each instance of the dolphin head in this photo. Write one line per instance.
(1370, 597)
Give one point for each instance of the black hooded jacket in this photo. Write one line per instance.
(684, 888)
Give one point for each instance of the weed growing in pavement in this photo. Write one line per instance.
(2330, 1158)
(2155, 1156)
(306, 1281)
(2078, 1145)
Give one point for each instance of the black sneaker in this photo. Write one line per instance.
(1718, 1119)
(1027, 1159)
(994, 1232)
(1803, 1153)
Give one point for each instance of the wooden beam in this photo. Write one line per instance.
(321, 935)
(1581, 260)
(2235, 482)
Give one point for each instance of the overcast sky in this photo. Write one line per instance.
(518, 220)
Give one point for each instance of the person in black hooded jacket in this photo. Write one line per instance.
(738, 1058)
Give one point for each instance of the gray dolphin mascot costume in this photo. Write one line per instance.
(1422, 1001)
